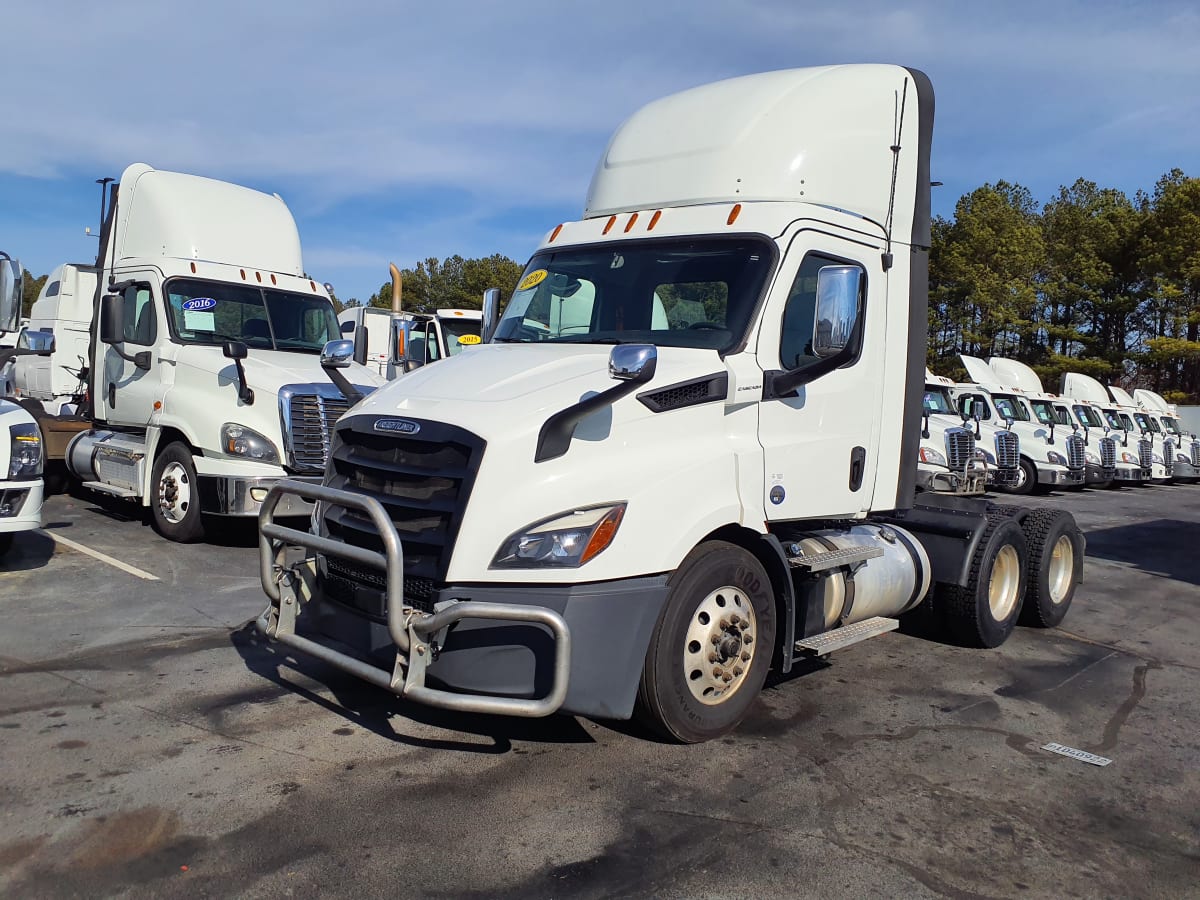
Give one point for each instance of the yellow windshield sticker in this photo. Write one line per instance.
(533, 279)
(469, 339)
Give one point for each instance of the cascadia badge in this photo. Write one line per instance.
(397, 426)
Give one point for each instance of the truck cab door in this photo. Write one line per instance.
(127, 391)
(820, 440)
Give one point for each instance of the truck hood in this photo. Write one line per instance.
(269, 370)
(498, 388)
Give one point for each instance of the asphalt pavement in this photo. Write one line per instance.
(154, 744)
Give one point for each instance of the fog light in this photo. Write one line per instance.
(258, 494)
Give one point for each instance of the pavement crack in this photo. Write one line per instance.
(1137, 691)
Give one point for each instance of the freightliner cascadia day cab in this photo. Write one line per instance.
(1187, 447)
(205, 378)
(642, 513)
(20, 442)
(1099, 450)
(1162, 444)
(949, 460)
(1135, 452)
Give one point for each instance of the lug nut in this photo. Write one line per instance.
(738, 670)
(717, 672)
(736, 620)
(716, 639)
(712, 657)
(747, 638)
(724, 625)
(745, 656)
(727, 678)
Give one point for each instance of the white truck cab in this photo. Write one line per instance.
(1162, 443)
(621, 511)
(205, 379)
(1049, 457)
(1134, 455)
(949, 460)
(1186, 445)
(421, 338)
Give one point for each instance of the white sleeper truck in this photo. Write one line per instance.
(639, 513)
(204, 380)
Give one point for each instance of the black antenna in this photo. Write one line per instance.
(103, 182)
(887, 255)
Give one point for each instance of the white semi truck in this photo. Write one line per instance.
(204, 382)
(1049, 458)
(1135, 452)
(1187, 447)
(643, 515)
(20, 442)
(1162, 443)
(949, 460)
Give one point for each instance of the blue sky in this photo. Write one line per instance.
(400, 130)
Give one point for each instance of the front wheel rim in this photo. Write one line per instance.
(1005, 583)
(718, 648)
(174, 493)
(1062, 569)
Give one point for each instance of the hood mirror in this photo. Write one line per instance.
(633, 362)
(337, 355)
(491, 314)
(12, 292)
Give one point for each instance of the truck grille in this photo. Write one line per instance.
(1169, 455)
(1196, 453)
(423, 479)
(1008, 450)
(1145, 453)
(960, 447)
(1108, 453)
(1076, 452)
(308, 420)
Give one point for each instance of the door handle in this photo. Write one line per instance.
(858, 465)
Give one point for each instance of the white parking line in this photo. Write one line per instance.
(96, 554)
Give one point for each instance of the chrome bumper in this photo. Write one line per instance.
(417, 636)
(1061, 476)
(1135, 476)
(229, 495)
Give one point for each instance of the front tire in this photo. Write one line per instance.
(712, 646)
(984, 612)
(1055, 566)
(175, 501)
(1026, 479)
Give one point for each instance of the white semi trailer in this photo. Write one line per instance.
(204, 335)
(645, 514)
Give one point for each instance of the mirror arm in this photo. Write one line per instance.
(141, 359)
(349, 391)
(925, 425)
(1050, 440)
(245, 394)
(554, 439)
(777, 385)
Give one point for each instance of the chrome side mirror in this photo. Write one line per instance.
(836, 315)
(40, 343)
(12, 292)
(491, 314)
(337, 354)
(633, 362)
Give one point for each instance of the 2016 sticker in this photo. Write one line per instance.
(533, 279)
(198, 304)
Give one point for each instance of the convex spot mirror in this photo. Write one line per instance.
(39, 343)
(838, 292)
(12, 292)
(337, 354)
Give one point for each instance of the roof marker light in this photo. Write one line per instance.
(612, 220)
(313, 285)
(554, 234)
(654, 219)
(258, 275)
(243, 271)
(193, 268)
(629, 225)
(273, 278)
(734, 213)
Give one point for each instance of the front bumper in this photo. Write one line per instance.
(233, 495)
(1132, 475)
(522, 650)
(941, 480)
(1094, 474)
(1185, 472)
(20, 505)
(1060, 476)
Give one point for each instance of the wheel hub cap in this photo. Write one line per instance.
(1062, 569)
(719, 645)
(1005, 583)
(174, 493)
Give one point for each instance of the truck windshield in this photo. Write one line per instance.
(1172, 424)
(1009, 407)
(937, 400)
(454, 328)
(1087, 416)
(677, 293)
(1146, 423)
(1046, 412)
(1114, 420)
(211, 312)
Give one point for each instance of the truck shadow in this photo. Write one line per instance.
(377, 710)
(30, 550)
(1163, 547)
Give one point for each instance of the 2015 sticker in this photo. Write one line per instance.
(198, 304)
(468, 339)
(533, 279)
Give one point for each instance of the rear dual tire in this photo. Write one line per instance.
(983, 613)
(1055, 566)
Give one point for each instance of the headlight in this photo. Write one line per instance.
(565, 541)
(1092, 458)
(986, 456)
(929, 455)
(1183, 457)
(1157, 457)
(1057, 458)
(1129, 458)
(238, 440)
(25, 452)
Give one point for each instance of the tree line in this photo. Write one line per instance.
(1092, 281)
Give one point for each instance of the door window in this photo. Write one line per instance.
(799, 314)
(141, 322)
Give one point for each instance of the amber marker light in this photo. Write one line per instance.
(243, 271)
(654, 219)
(612, 220)
(632, 221)
(193, 268)
(554, 234)
(604, 533)
(734, 213)
(273, 278)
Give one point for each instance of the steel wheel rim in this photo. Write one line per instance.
(1061, 569)
(718, 648)
(1004, 583)
(1022, 477)
(174, 493)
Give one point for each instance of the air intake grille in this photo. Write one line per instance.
(1145, 453)
(1008, 450)
(1108, 453)
(960, 447)
(1076, 452)
(1169, 455)
(309, 421)
(687, 393)
(423, 480)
